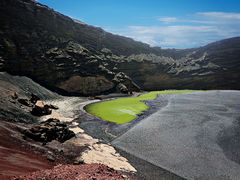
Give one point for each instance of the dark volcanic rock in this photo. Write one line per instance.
(215, 66)
(13, 88)
(25, 102)
(122, 88)
(51, 106)
(69, 56)
(40, 109)
(34, 98)
(51, 129)
(55, 50)
(87, 85)
(125, 83)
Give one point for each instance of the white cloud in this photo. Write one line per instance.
(168, 19)
(172, 36)
(221, 15)
(204, 18)
(173, 32)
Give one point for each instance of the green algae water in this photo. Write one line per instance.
(124, 110)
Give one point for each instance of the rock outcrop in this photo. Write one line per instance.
(38, 107)
(13, 88)
(41, 109)
(125, 83)
(215, 66)
(51, 129)
(25, 102)
(72, 57)
(53, 49)
(28, 145)
(87, 85)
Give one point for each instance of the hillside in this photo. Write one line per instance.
(214, 66)
(31, 142)
(48, 47)
(55, 28)
(69, 56)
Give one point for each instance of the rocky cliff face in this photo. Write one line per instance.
(72, 57)
(51, 48)
(215, 66)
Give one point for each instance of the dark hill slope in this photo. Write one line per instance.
(48, 47)
(69, 56)
(13, 88)
(215, 66)
(26, 18)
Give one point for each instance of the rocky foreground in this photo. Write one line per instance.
(71, 172)
(39, 131)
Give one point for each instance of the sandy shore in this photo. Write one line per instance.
(96, 151)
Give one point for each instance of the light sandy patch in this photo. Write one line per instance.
(100, 153)
(56, 115)
(97, 152)
(77, 130)
(83, 140)
(68, 106)
(107, 155)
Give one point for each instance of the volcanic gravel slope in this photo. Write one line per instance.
(195, 136)
(76, 172)
(21, 154)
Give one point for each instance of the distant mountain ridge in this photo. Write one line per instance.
(215, 66)
(73, 57)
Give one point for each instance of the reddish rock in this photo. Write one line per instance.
(15, 160)
(76, 172)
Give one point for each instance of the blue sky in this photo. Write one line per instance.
(165, 23)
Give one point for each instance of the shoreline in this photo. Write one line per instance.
(147, 170)
(96, 151)
(144, 168)
(108, 131)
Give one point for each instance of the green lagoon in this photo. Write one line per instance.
(124, 110)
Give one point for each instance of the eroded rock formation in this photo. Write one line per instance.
(72, 57)
(53, 49)
(51, 129)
